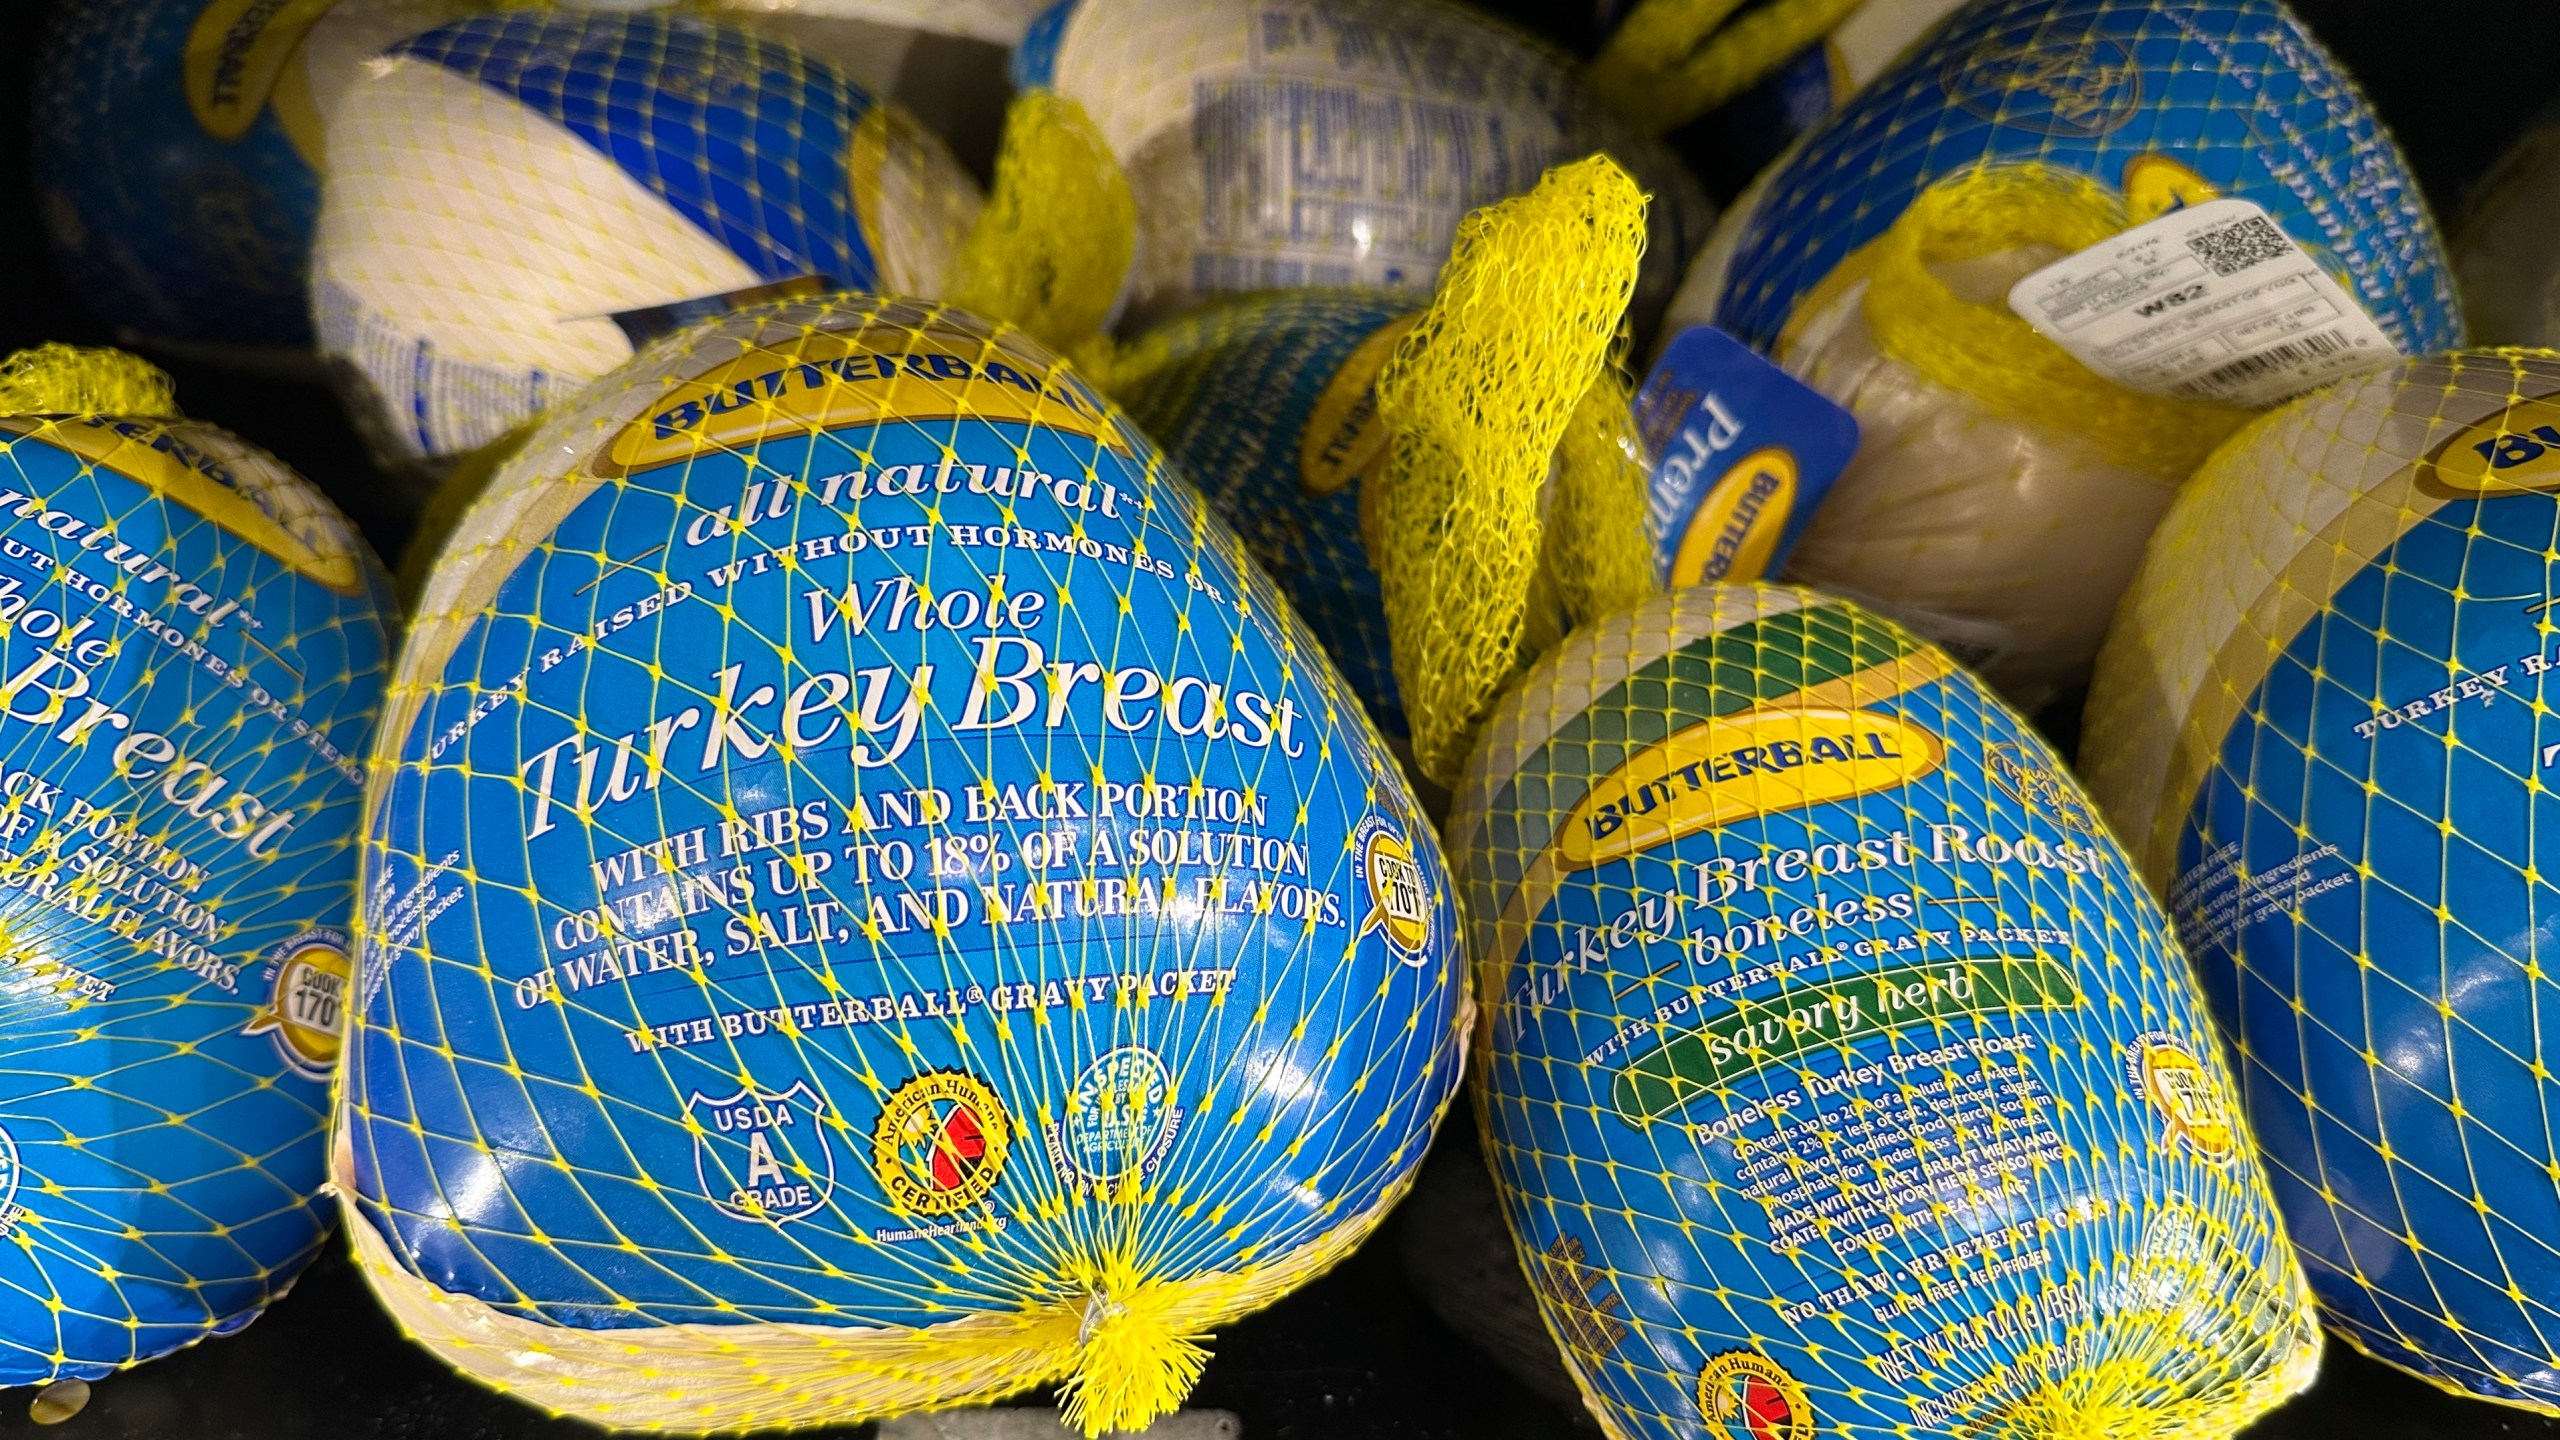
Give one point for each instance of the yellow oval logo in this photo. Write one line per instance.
(1735, 529)
(2515, 449)
(184, 464)
(834, 380)
(1755, 762)
(235, 56)
(1344, 439)
(307, 1003)
(2154, 185)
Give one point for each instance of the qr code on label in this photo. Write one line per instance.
(2232, 248)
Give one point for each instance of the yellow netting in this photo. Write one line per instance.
(2322, 724)
(1477, 397)
(1058, 233)
(1596, 549)
(79, 380)
(1674, 60)
(950, 1250)
(1983, 349)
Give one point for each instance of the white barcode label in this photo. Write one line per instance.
(2213, 301)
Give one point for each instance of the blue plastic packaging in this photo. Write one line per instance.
(192, 653)
(1839, 1074)
(866, 864)
(2324, 723)
(1268, 404)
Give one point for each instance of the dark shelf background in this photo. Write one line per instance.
(1357, 1355)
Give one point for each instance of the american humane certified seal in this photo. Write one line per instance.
(940, 1144)
(1745, 1395)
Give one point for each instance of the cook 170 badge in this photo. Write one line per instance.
(306, 1000)
(2168, 1074)
(1399, 898)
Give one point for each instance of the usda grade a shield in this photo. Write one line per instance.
(1838, 1072)
(867, 885)
(2324, 720)
(192, 654)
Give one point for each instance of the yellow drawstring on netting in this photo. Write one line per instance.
(1476, 399)
(1134, 1360)
(80, 380)
(1057, 235)
(1596, 551)
(1669, 63)
(1983, 349)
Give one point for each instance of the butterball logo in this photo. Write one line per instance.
(2516, 449)
(308, 977)
(1399, 907)
(1736, 527)
(763, 1154)
(1733, 767)
(1120, 1121)
(940, 1143)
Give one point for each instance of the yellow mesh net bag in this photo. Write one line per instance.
(1838, 1073)
(1052, 246)
(1596, 546)
(2323, 723)
(1332, 143)
(515, 200)
(1671, 61)
(1527, 307)
(1487, 561)
(2047, 263)
(193, 644)
(930, 920)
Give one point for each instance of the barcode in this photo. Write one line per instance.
(2232, 248)
(2317, 345)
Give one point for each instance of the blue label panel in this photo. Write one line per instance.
(2363, 885)
(1035, 60)
(1231, 391)
(166, 231)
(1742, 452)
(1844, 1077)
(840, 862)
(182, 716)
(746, 139)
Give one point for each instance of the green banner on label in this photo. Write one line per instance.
(1780, 1028)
